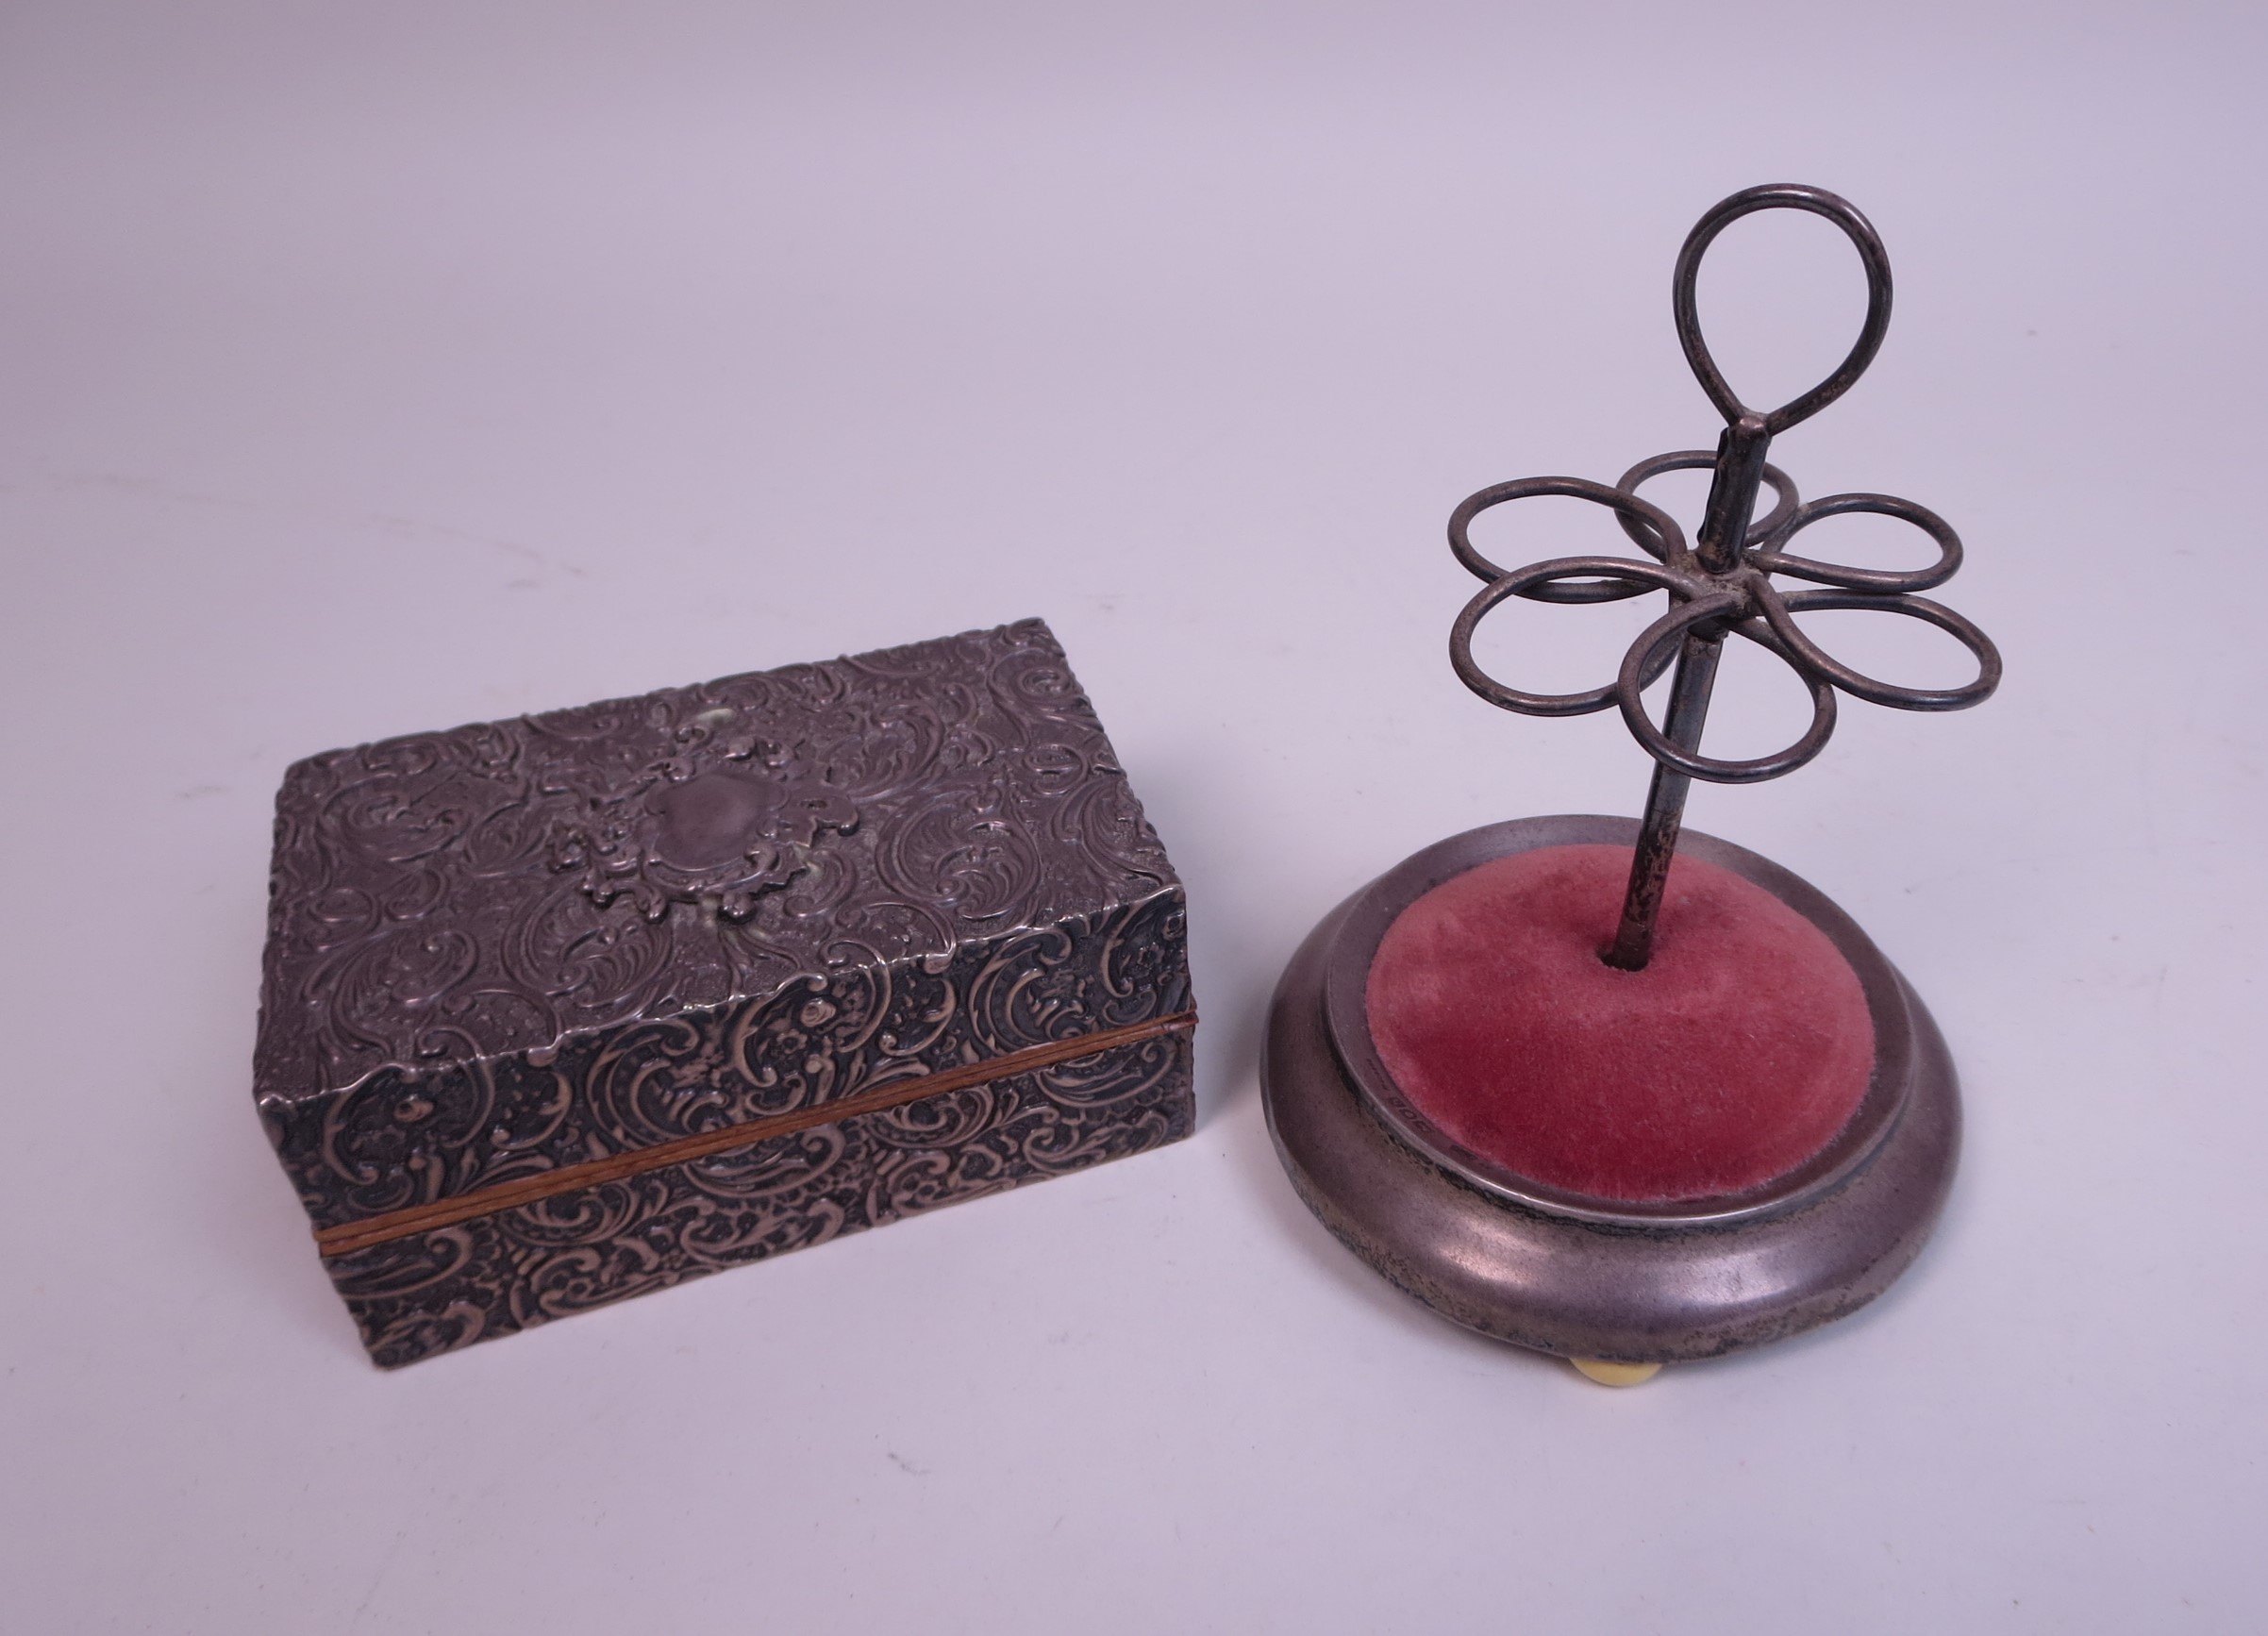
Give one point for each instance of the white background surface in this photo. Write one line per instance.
(371, 369)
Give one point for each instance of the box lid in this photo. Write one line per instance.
(494, 897)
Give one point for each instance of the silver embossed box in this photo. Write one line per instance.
(569, 1008)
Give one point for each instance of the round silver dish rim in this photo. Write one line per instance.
(1626, 1289)
(1371, 911)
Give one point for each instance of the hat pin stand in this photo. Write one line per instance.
(1598, 1088)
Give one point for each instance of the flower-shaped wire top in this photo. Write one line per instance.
(1723, 583)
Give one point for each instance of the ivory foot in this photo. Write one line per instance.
(1608, 1374)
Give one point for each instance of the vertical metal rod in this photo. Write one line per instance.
(1740, 470)
(1633, 942)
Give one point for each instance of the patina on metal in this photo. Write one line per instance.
(1592, 1278)
(1585, 1277)
(1723, 583)
(569, 1008)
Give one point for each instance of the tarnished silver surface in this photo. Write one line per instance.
(501, 955)
(1724, 584)
(1590, 1278)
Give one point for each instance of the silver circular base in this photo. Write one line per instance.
(1587, 1277)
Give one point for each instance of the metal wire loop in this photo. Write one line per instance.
(1781, 197)
(1772, 556)
(1629, 508)
(1720, 589)
(1636, 580)
(1660, 641)
(1781, 485)
(1808, 656)
(1745, 604)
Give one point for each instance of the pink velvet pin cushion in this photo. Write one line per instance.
(1738, 1054)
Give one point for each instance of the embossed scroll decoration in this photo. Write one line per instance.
(723, 837)
(512, 965)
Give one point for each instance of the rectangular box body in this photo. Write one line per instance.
(562, 1009)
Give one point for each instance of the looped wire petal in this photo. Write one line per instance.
(1807, 656)
(1632, 579)
(1781, 485)
(1662, 639)
(1771, 557)
(1629, 507)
